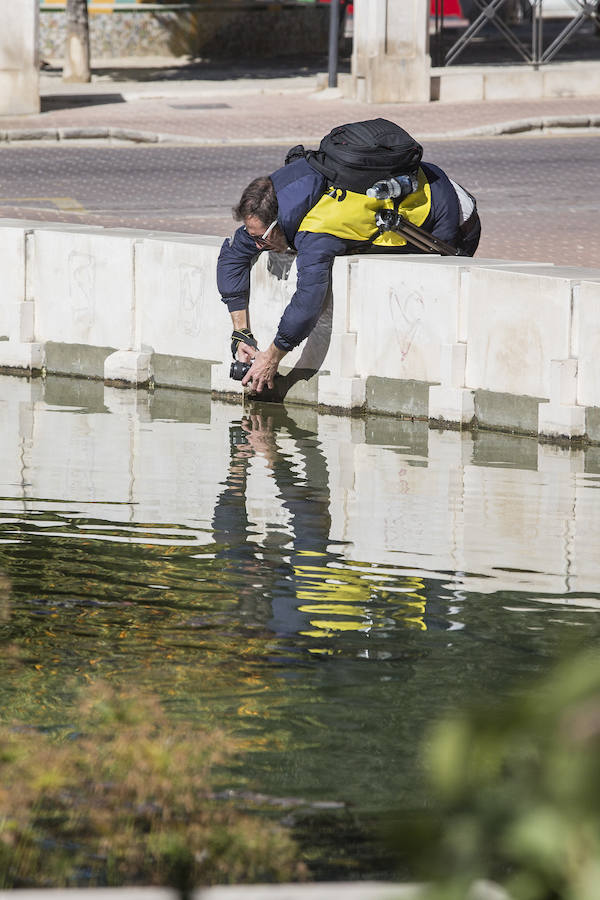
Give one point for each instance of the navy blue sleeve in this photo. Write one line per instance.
(316, 253)
(444, 219)
(233, 269)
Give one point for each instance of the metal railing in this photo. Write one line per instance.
(197, 6)
(493, 12)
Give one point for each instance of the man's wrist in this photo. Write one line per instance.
(239, 318)
(276, 353)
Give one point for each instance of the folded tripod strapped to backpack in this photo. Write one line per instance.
(380, 159)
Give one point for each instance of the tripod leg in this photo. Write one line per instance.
(423, 239)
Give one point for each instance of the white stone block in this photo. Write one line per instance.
(22, 329)
(12, 266)
(587, 328)
(563, 381)
(84, 288)
(403, 311)
(16, 355)
(345, 393)
(452, 85)
(451, 404)
(518, 320)
(131, 366)
(557, 420)
(509, 83)
(463, 306)
(453, 361)
(342, 355)
(179, 310)
(344, 269)
(571, 79)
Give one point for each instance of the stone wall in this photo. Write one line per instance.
(499, 344)
(212, 34)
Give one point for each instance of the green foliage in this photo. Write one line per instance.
(517, 790)
(126, 799)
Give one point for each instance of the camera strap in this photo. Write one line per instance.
(243, 336)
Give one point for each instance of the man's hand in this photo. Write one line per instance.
(246, 353)
(264, 368)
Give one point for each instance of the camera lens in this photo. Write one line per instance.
(238, 369)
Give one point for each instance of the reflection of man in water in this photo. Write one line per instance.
(314, 591)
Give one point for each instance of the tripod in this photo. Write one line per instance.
(392, 220)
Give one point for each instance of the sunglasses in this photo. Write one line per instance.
(263, 239)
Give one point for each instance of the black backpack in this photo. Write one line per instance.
(357, 155)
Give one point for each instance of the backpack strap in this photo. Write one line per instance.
(294, 153)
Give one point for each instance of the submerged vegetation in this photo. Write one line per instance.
(124, 796)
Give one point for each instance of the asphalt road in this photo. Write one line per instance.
(539, 197)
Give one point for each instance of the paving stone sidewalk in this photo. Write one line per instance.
(143, 103)
(162, 101)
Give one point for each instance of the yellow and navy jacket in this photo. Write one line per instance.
(321, 222)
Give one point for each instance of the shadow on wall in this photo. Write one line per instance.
(214, 33)
(315, 349)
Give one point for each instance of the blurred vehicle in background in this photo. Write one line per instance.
(513, 10)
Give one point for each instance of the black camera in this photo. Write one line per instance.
(239, 369)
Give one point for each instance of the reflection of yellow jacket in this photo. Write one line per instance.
(347, 592)
(351, 216)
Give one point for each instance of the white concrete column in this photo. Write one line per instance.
(391, 61)
(19, 60)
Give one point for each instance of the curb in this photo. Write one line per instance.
(549, 124)
(350, 890)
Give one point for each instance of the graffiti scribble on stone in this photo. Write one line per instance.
(406, 311)
(191, 299)
(82, 289)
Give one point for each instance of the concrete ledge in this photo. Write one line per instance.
(397, 396)
(454, 84)
(458, 342)
(507, 412)
(83, 360)
(181, 372)
(350, 890)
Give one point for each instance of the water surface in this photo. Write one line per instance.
(324, 587)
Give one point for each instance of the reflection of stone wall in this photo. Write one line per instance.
(266, 32)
